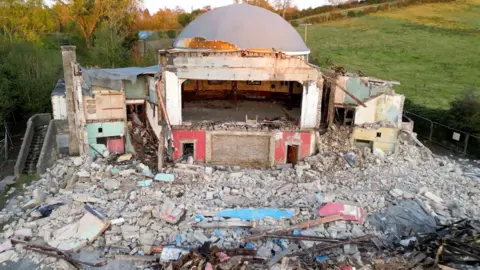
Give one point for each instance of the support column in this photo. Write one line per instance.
(234, 92)
(310, 99)
(69, 57)
(173, 98)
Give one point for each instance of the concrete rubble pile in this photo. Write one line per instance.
(331, 210)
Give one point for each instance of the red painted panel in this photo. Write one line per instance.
(115, 145)
(299, 138)
(197, 136)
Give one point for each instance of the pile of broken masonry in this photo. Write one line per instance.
(344, 208)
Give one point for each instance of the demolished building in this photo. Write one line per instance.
(229, 91)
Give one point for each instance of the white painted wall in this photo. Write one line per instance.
(173, 93)
(152, 116)
(382, 108)
(59, 107)
(310, 99)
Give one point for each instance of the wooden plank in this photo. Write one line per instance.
(347, 92)
(303, 225)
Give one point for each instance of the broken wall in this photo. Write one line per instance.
(242, 148)
(105, 105)
(261, 86)
(137, 90)
(152, 116)
(383, 138)
(360, 87)
(240, 66)
(99, 132)
(382, 108)
(304, 140)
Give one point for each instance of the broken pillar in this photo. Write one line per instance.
(69, 57)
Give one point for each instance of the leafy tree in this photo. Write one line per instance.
(25, 20)
(110, 49)
(464, 112)
(88, 14)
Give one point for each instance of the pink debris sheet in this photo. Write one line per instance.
(349, 212)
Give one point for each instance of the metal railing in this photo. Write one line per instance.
(448, 137)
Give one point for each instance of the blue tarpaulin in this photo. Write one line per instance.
(249, 214)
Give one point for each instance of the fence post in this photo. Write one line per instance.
(431, 130)
(466, 144)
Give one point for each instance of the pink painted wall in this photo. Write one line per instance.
(303, 139)
(197, 136)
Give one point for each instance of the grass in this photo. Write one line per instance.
(432, 49)
(343, 11)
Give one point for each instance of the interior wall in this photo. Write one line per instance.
(385, 107)
(173, 96)
(105, 105)
(103, 130)
(310, 105)
(283, 139)
(152, 116)
(264, 86)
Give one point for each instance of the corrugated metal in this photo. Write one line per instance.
(245, 27)
(59, 89)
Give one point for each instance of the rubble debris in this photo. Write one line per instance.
(169, 212)
(7, 245)
(85, 198)
(125, 157)
(46, 210)
(76, 235)
(303, 225)
(49, 251)
(166, 177)
(348, 212)
(224, 224)
(376, 183)
(145, 183)
(172, 253)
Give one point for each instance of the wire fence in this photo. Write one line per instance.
(446, 136)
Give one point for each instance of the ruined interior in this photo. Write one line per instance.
(241, 101)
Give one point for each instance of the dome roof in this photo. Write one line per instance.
(241, 26)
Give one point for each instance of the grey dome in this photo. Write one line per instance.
(243, 26)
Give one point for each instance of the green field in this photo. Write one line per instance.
(432, 49)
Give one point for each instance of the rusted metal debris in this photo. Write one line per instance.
(53, 252)
(202, 43)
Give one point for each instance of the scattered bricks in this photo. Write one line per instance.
(129, 232)
(23, 232)
(396, 193)
(433, 197)
(200, 236)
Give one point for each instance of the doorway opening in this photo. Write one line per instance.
(292, 154)
(188, 150)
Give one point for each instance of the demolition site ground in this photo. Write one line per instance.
(342, 208)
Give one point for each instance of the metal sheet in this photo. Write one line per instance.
(244, 27)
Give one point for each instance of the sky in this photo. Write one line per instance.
(154, 5)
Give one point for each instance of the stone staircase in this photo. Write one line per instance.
(35, 149)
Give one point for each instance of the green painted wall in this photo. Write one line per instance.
(358, 89)
(98, 130)
(136, 90)
(362, 91)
